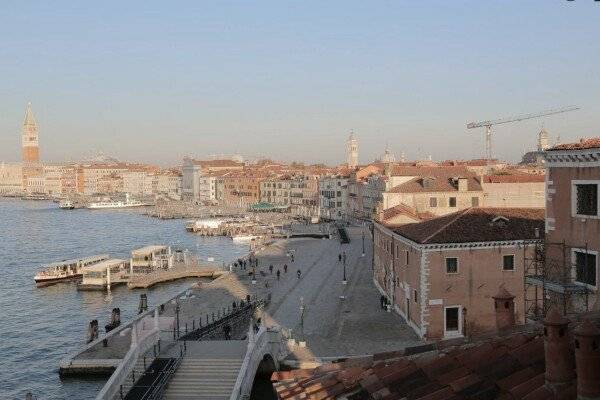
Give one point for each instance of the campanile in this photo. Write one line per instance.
(29, 138)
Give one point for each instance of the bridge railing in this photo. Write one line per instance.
(257, 344)
(142, 341)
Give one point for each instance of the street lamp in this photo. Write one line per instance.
(363, 240)
(344, 280)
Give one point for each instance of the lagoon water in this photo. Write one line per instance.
(40, 326)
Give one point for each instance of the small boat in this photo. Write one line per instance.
(66, 205)
(244, 238)
(65, 270)
(117, 204)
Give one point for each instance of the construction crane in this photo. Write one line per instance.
(488, 124)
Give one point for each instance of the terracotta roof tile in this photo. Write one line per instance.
(516, 378)
(591, 143)
(477, 225)
(528, 386)
(453, 375)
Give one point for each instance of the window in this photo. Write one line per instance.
(416, 296)
(406, 257)
(585, 268)
(587, 199)
(433, 202)
(474, 201)
(452, 202)
(451, 265)
(508, 262)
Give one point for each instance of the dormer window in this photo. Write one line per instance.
(499, 221)
(428, 182)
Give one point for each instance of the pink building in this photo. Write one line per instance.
(441, 274)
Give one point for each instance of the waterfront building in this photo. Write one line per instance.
(11, 179)
(103, 275)
(333, 197)
(193, 170)
(304, 196)
(352, 151)
(241, 188)
(276, 191)
(441, 275)
(168, 184)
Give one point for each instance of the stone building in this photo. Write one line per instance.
(11, 179)
(333, 197)
(194, 170)
(441, 274)
(276, 191)
(304, 196)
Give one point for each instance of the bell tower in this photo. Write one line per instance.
(29, 138)
(352, 151)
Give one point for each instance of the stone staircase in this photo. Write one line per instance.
(203, 379)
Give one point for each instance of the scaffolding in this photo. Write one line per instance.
(551, 279)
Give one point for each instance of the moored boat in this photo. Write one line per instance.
(117, 204)
(66, 205)
(66, 270)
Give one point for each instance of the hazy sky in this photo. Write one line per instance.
(155, 81)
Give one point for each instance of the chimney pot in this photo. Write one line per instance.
(504, 306)
(587, 357)
(560, 366)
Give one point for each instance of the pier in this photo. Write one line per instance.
(307, 318)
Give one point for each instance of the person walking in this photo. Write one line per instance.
(299, 273)
(285, 268)
(340, 257)
(271, 269)
(278, 274)
(382, 301)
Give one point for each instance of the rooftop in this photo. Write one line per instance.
(514, 178)
(590, 143)
(148, 249)
(103, 265)
(477, 225)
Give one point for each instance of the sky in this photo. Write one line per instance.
(155, 81)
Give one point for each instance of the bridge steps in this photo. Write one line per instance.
(205, 378)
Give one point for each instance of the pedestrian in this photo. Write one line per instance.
(382, 301)
(292, 257)
(340, 257)
(227, 332)
(299, 273)
(271, 269)
(278, 274)
(285, 268)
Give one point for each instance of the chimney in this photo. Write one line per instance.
(463, 185)
(505, 309)
(557, 350)
(587, 357)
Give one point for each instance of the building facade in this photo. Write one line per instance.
(333, 197)
(441, 275)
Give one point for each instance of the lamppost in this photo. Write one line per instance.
(363, 240)
(344, 280)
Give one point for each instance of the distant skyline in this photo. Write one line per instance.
(154, 82)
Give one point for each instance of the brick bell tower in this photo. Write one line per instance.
(29, 138)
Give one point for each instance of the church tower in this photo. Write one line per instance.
(352, 151)
(29, 138)
(543, 140)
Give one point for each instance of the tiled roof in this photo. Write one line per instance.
(477, 225)
(509, 368)
(403, 209)
(218, 163)
(514, 178)
(434, 179)
(591, 143)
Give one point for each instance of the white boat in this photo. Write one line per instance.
(244, 238)
(207, 223)
(66, 270)
(66, 205)
(117, 204)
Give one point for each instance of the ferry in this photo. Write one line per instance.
(66, 270)
(103, 275)
(66, 205)
(117, 204)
